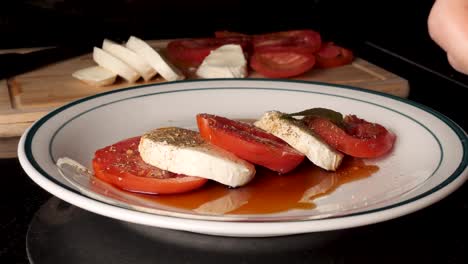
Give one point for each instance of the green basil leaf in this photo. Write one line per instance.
(335, 117)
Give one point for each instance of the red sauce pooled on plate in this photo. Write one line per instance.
(269, 192)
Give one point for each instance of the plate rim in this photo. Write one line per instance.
(25, 150)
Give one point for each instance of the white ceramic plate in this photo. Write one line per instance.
(429, 160)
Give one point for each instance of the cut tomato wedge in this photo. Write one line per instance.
(120, 164)
(249, 143)
(281, 64)
(302, 41)
(192, 52)
(358, 138)
(331, 55)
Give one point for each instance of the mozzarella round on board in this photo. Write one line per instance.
(184, 151)
(152, 57)
(227, 61)
(95, 75)
(115, 65)
(130, 57)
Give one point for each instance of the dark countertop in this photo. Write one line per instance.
(436, 234)
(20, 199)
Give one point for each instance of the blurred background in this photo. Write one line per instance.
(390, 34)
(400, 24)
(397, 26)
(27, 22)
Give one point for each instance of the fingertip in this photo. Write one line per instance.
(457, 65)
(435, 25)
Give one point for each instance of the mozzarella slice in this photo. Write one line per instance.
(227, 61)
(130, 57)
(301, 138)
(184, 151)
(113, 64)
(156, 60)
(95, 75)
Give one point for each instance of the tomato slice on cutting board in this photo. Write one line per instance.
(249, 142)
(331, 55)
(192, 52)
(356, 137)
(120, 164)
(303, 41)
(227, 33)
(281, 64)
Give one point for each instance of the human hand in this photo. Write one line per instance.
(448, 27)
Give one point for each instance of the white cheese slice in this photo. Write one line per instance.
(115, 65)
(184, 151)
(130, 57)
(95, 75)
(301, 138)
(227, 61)
(156, 60)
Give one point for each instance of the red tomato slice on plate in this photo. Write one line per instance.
(281, 64)
(304, 41)
(249, 142)
(120, 164)
(331, 55)
(192, 52)
(358, 138)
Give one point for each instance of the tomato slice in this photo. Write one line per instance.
(192, 52)
(358, 138)
(120, 164)
(281, 64)
(303, 41)
(249, 143)
(227, 33)
(331, 55)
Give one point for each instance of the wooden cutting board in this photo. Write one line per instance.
(27, 97)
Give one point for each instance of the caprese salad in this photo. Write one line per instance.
(226, 55)
(171, 160)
